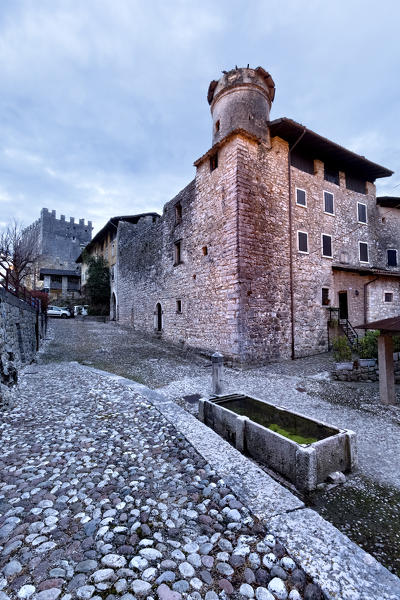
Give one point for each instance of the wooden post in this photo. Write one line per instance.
(217, 360)
(386, 369)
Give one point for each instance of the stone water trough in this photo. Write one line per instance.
(314, 451)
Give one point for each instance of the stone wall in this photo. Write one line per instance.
(231, 290)
(366, 373)
(18, 327)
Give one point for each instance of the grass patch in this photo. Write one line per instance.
(291, 434)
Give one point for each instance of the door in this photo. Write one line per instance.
(343, 306)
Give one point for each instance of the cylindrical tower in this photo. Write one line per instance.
(241, 99)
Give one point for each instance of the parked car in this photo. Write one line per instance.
(81, 309)
(58, 311)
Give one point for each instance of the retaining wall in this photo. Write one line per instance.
(368, 374)
(20, 330)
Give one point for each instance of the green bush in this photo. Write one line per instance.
(368, 345)
(396, 343)
(341, 349)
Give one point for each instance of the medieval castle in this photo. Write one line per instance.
(279, 235)
(278, 239)
(59, 243)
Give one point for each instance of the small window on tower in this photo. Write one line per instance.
(177, 252)
(178, 213)
(392, 258)
(179, 306)
(205, 250)
(214, 162)
(217, 125)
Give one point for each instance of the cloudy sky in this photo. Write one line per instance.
(103, 102)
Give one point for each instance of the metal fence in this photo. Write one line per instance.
(11, 285)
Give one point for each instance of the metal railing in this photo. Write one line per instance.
(349, 332)
(14, 287)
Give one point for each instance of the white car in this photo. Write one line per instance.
(57, 311)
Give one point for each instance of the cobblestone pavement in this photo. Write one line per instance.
(366, 507)
(101, 497)
(297, 385)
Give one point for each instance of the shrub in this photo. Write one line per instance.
(368, 345)
(341, 349)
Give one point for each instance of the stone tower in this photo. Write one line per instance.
(241, 99)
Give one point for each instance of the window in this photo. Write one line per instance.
(328, 203)
(392, 258)
(363, 251)
(326, 245)
(302, 241)
(354, 184)
(325, 297)
(301, 197)
(56, 279)
(302, 162)
(177, 252)
(179, 306)
(331, 174)
(205, 250)
(178, 213)
(214, 161)
(361, 212)
(217, 124)
(388, 296)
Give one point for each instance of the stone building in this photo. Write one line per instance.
(59, 243)
(104, 244)
(279, 234)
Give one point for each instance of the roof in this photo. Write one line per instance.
(389, 201)
(112, 225)
(366, 271)
(392, 324)
(319, 147)
(64, 272)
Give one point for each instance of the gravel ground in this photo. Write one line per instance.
(101, 497)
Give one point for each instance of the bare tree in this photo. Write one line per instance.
(18, 253)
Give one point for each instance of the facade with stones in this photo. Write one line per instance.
(279, 235)
(59, 243)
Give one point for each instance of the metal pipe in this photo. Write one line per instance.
(291, 243)
(365, 298)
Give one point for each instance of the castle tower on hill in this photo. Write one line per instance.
(59, 243)
(241, 99)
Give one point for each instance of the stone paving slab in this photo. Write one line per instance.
(324, 552)
(102, 497)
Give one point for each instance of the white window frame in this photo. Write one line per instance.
(298, 242)
(305, 197)
(388, 292)
(322, 245)
(366, 213)
(365, 262)
(332, 214)
(397, 258)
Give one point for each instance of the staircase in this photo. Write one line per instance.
(349, 332)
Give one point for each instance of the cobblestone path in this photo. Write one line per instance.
(101, 497)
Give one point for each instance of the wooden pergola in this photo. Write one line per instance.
(387, 328)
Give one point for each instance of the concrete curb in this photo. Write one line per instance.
(342, 569)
